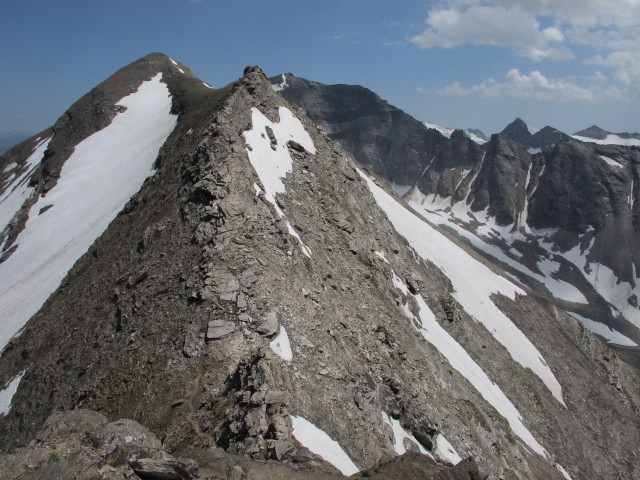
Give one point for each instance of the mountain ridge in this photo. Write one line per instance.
(257, 307)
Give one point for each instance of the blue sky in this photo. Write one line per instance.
(457, 63)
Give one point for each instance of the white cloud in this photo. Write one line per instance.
(607, 32)
(534, 86)
(492, 25)
(626, 64)
(419, 89)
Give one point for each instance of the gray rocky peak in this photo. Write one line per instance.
(518, 131)
(264, 307)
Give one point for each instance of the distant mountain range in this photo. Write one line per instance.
(598, 135)
(535, 140)
(9, 139)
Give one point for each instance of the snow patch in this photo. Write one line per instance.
(95, 183)
(547, 267)
(476, 138)
(399, 284)
(400, 435)
(17, 190)
(460, 360)
(173, 61)
(381, 256)
(306, 250)
(463, 175)
(611, 139)
(447, 132)
(524, 215)
(474, 284)
(6, 394)
(274, 165)
(610, 161)
(280, 86)
(606, 332)
(443, 130)
(445, 451)
(606, 283)
(281, 346)
(207, 85)
(322, 444)
(564, 473)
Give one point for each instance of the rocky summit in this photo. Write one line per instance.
(200, 283)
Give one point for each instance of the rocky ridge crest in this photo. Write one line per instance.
(170, 318)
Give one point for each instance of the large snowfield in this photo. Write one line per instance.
(473, 282)
(95, 183)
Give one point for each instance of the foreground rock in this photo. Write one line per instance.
(80, 444)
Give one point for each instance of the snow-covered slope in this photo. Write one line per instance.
(597, 135)
(95, 183)
(270, 156)
(610, 139)
(16, 188)
(566, 259)
(473, 283)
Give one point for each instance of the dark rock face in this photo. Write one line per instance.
(547, 137)
(577, 190)
(594, 132)
(199, 316)
(500, 184)
(580, 191)
(544, 139)
(452, 167)
(518, 131)
(379, 136)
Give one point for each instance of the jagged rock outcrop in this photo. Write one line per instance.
(263, 295)
(500, 185)
(379, 136)
(80, 444)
